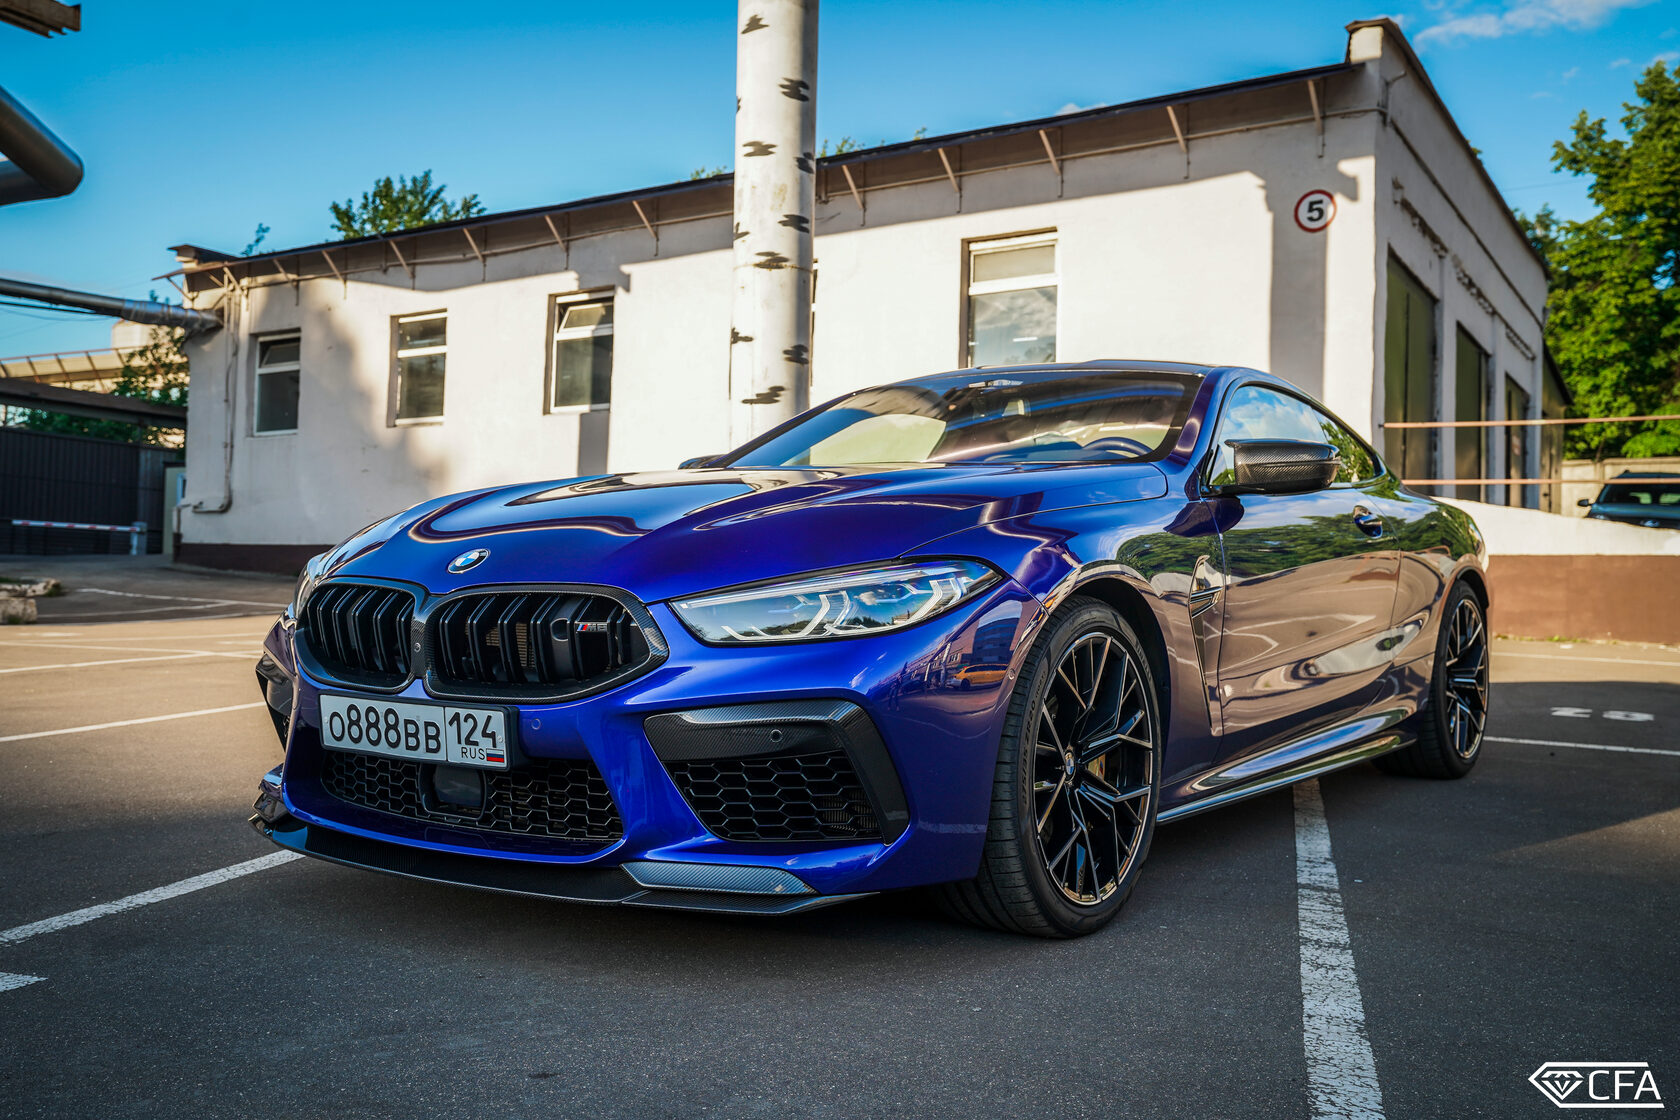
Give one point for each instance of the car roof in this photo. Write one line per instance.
(1645, 474)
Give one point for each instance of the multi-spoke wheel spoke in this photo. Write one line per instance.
(1094, 756)
(1465, 670)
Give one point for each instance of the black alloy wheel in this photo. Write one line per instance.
(1453, 719)
(1093, 769)
(1077, 782)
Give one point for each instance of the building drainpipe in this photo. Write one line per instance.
(775, 203)
(147, 311)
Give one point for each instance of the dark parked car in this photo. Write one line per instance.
(1643, 498)
(982, 630)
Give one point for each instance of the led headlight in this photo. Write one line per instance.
(306, 582)
(834, 604)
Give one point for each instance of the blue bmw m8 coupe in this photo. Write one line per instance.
(980, 631)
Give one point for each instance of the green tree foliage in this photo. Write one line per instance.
(403, 204)
(1614, 310)
(155, 372)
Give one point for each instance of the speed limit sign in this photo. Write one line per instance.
(1315, 210)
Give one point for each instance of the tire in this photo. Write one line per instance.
(1046, 881)
(1450, 724)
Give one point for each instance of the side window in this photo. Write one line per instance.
(417, 381)
(276, 404)
(1257, 412)
(583, 353)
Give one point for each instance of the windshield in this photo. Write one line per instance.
(1018, 417)
(1652, 493)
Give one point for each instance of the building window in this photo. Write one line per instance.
(1470, 394)
(417, 381)
(1516, 441)
(1409, 375)
(1012, 301)
(277, 385)
(583, 353)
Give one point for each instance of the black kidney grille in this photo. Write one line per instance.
(359, 630)
(780, 797)
(534, 639)
(558, 798)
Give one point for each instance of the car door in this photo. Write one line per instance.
(1310, 581)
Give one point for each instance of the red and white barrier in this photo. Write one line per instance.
(136, 531)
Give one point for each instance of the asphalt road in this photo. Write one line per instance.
(1525, 914)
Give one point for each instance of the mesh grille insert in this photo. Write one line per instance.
(560, 798)
(779, 797)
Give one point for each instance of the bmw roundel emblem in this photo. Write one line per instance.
(468, 560)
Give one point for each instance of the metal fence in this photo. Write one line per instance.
(45, 476)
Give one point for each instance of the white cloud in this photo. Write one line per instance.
(1571, 72)
(1071, 107)
(1621, 62)
(1541, 95)
(1520, 17)
(1670, 57)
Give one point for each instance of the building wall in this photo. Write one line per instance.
(1438, 219)
(1161, 254)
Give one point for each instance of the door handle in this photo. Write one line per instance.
(1369, 523)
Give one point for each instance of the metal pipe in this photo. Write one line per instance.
(39, 164)
(775, 204)
(147, 311)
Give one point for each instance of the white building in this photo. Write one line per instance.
(1331, 225)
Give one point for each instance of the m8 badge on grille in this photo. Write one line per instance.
(421, 732)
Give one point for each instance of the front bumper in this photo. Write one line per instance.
(920, 724)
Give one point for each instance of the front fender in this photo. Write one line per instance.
(1160, 557)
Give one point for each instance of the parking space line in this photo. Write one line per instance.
(10, 980)
(182, 598)
(126, 723)
(122, 649)
(108, 661)
(144, 898)
(1341, 1070)
(1581, 746)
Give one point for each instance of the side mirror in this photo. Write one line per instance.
(1585, 503)
(1282, 466)
(697, 461)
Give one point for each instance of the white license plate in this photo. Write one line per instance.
(422, 732)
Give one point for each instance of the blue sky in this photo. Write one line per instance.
(197, 121)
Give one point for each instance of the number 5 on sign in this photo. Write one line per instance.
(1315, 210)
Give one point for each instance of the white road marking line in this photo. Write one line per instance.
(1602, 660)
(82, 616)
(110, 661)
(10, 980)
(181, 598)
(128, 722)
(1341, 1070)
(44, 636)
(144, 898)
(1580, 746)
(120, 649)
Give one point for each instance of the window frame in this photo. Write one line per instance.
(259, 371)
(1204, 473)
(398, 353)
(557, 305)
(970, 287)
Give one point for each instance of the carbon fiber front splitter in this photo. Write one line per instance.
(595, 885)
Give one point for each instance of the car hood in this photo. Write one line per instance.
(676, 532)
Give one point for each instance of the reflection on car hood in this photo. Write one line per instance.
(676, 532)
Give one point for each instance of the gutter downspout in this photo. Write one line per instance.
(39, 164)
